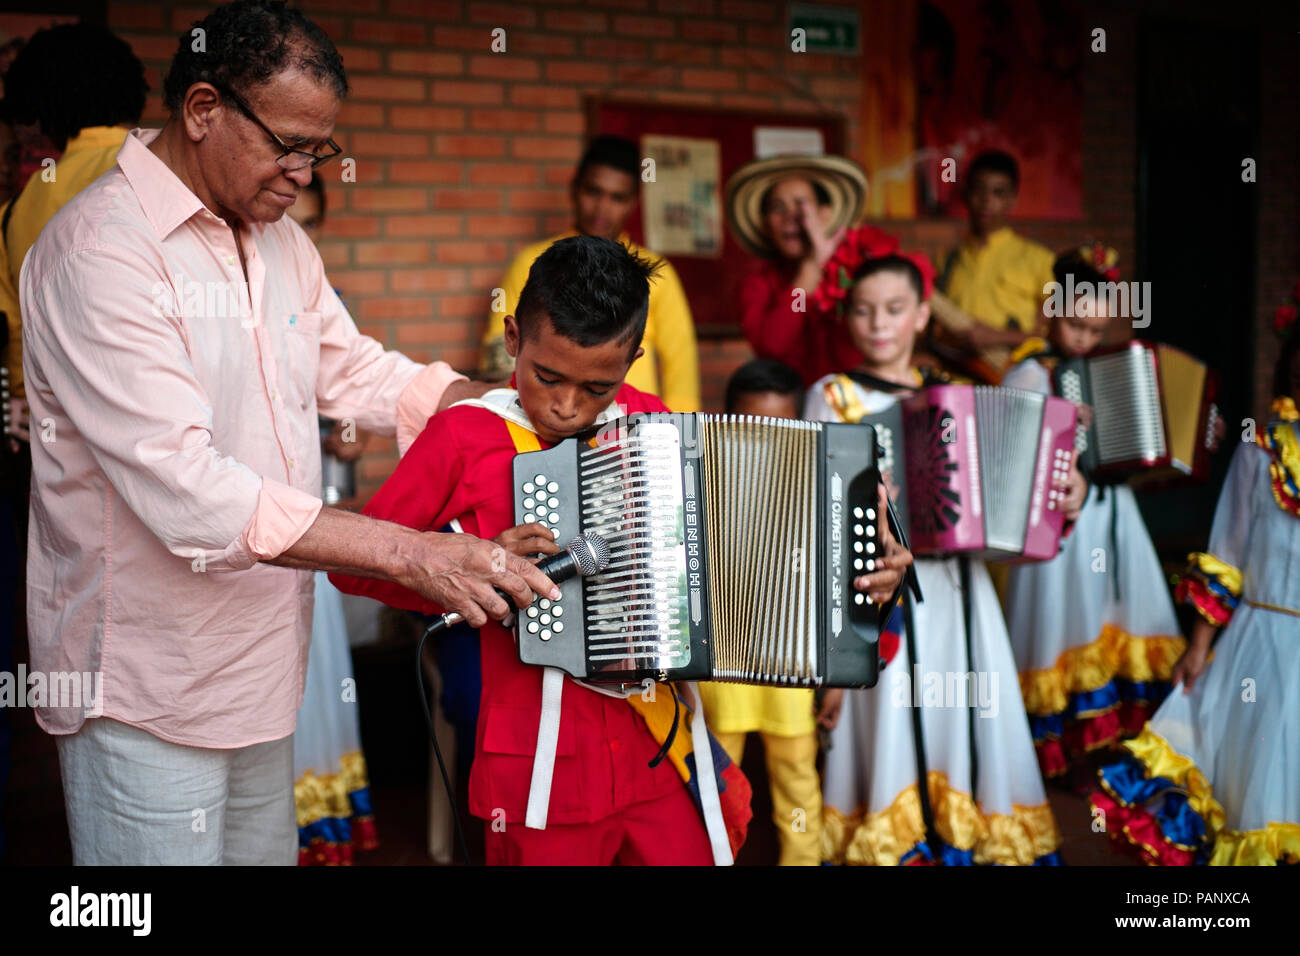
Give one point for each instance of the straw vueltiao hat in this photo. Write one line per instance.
(843, 180)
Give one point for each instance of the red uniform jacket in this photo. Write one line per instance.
(814, 343)
(460, 467)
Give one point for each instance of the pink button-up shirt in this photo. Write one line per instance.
(175, 445)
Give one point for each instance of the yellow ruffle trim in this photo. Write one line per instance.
(1221, 571)
(1116, 653)
(1263, 847)
(1284, 409)
(318, 797)
(882, 838)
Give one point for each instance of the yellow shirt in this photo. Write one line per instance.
(1000, 280)
(670, 366)
(748, 708)
(89, 155)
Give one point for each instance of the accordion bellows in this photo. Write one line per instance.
(734, 541)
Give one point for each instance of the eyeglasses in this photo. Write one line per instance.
(290, 159)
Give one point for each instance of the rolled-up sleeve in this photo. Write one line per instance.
(121, 382)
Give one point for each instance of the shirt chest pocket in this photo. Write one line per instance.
(301, 332)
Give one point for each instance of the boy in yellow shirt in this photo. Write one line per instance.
(603, 193)
(784, 716)
(995, 275)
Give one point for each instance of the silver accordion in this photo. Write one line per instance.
(734, 543)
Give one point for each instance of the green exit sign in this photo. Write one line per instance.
(825, 29)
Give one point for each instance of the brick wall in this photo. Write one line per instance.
(463, 155)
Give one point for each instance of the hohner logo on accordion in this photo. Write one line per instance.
(1152, 415)
(978, 466)
(734, 542)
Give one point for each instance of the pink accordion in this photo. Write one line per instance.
(980, 462)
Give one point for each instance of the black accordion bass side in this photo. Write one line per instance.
(734, 541)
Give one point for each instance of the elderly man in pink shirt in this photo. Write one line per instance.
(181, 339)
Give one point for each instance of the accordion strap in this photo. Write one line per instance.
(918, 737)
(548, 735)
(968, 626)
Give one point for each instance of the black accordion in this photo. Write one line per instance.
(1153, 417)
(734, 544)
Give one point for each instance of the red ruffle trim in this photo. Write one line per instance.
(1133, 829)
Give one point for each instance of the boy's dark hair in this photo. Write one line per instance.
(593, 291)
(761, 376)
(1286, 377)
(1071, 263)
(819, 193)
(893, 263)
(73, 76)
(616, 152)
(994, 161)
(245, 44)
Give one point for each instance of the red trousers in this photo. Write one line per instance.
(666, 831)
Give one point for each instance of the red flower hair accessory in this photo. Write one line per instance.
(1102, 258)
(857, 246)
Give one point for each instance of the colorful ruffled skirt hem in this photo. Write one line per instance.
(895, 836)
(335, 815)
(1162, 807)
(1097, 694)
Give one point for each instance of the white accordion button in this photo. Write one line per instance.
(857, 564)
(553, 487)
(857, 513)
(545, 619)
(529, 487)
(532, 627)
(544, 604)
(529, 503)
(871, 514)
(532, 610)
(857, 546)
(546, 634)
(871, 547)
(539, 480)
(857, 529)
(871, 565)
(553, 502)
(859, 597)
(529, 517)
(557, 627)
(557, 611)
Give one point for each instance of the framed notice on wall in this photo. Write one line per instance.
(680, 214)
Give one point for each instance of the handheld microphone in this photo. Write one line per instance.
(585, 554)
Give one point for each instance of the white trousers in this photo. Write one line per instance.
(134, 799)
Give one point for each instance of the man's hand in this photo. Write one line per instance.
(463, 389)
(341, 449)
(881, 584)
(527, 540)
(459, 572)
(828, 714)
